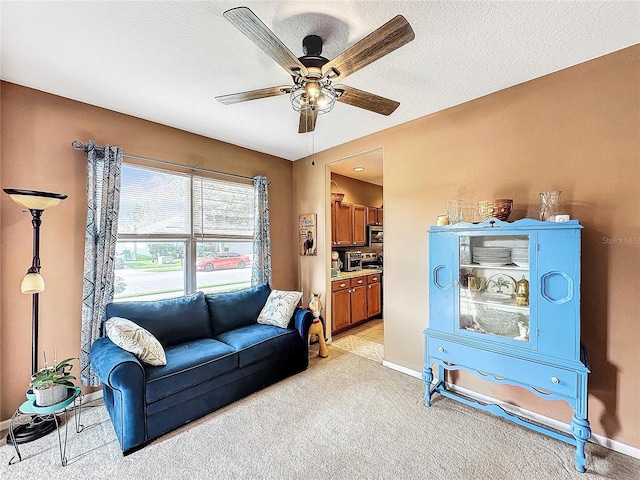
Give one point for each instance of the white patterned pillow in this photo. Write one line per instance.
(135, 339)
(279, 308)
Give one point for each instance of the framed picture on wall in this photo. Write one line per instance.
(307, 238)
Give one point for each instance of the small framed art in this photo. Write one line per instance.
(307, 236)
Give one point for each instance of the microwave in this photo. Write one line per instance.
(374, 236)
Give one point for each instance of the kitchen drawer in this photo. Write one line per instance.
(358, 281)
(340, 285)
(373, 278)
(544, 378)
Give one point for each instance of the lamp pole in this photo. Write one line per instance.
(36, 221)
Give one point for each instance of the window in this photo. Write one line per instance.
(181, 233)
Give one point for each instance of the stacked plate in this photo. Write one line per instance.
(520, 256)
(492, 256)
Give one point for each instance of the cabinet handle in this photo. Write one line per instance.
(343, 285)
(441, 349)
(456, 282)
(555, 380)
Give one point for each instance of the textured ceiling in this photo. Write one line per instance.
(166, 61)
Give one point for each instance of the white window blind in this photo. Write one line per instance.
(153, 202)
(222, 209)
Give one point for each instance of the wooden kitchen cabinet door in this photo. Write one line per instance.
(342, 223)
(359, 225)
(374, 297)
(358, 304)
(374, 215)
(340, 306)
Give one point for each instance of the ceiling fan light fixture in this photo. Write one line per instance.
(312, 89)
(314, 94)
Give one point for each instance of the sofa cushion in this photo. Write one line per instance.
(135, 339)
(256, 342)
(279, 308)
(172, 322)
(231, 310)
(189, 364)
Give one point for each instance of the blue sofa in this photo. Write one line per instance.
(216, 354)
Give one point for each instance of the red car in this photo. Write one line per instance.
(222, 260)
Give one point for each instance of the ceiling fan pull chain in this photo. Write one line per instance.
(313, 147)
(306, 140)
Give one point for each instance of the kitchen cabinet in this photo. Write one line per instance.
(341, 224)
(358, 300)
(504, 303)
(359, 225)
(354, 301)
(340, 305)
(348, 225)
(374, 215)
(374, 296)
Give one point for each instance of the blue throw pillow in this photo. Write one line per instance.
(172, 321)
(241, 308)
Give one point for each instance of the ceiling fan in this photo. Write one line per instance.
(313, 91)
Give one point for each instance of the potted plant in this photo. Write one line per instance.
(50, 384)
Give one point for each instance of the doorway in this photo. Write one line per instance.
(360, 178)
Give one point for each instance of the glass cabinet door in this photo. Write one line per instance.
(494, 286)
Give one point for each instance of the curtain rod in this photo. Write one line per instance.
(78, 145)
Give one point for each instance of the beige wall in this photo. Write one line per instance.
(37, 130)
(358, 192)
(578, 131)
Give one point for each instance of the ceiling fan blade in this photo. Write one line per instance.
(308, 117)
(366, 100)
(248, 23)
(254, 94)
(389, 37)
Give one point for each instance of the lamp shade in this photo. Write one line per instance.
(33, 199)
(32, 283)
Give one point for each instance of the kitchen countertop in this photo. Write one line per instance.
(357, 273)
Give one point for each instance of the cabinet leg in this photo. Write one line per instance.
(582, 432)
(427, 376)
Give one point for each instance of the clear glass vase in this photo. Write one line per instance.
(549, 204)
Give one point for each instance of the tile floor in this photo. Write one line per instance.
(372, 330)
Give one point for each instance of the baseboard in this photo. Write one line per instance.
(87, 398)
(402, 369)
(550, 422)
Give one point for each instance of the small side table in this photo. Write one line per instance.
(34, 412)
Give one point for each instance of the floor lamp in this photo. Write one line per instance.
(33, 284)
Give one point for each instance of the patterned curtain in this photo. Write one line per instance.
(261, 271)
(103, 204)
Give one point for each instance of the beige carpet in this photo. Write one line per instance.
(360, 346)
(346, 418)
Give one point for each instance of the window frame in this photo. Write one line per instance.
(190, 239)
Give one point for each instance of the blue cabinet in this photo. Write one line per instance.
(504, 303)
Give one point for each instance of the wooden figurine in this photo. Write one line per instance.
(316, 327)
